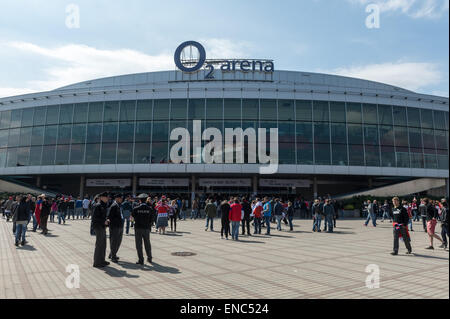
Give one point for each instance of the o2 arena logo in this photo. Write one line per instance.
(190, 57)
(214, 152)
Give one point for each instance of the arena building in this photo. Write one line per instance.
(336, 134)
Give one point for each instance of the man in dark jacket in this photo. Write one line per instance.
(142, 216)
(224, 211)
(99, 224)
(401, 220)
(45, 212)
(444, 224)
(247, 212)
(115, 227)
(20, 218)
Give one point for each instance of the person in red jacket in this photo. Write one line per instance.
(235, 216)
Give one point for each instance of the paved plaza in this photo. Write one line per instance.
(286, 265)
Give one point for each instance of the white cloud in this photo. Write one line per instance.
(74, 63)
(432, 9)
(408, 75)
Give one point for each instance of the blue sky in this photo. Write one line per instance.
(39, 52)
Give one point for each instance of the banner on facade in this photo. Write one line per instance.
(217, 182)
(298, 183)
(164, 182)
(120, 182)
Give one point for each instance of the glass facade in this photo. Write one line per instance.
(310, 132)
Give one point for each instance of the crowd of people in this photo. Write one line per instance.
(245, 215)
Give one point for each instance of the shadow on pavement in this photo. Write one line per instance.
(428, 256)
(251, 241)
(26, 247)
(113, 272)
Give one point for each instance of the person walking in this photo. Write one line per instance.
(211, 212)
(127, 207)
(37, 213)
(257, 216)
(290, 215)
(20, 217)
(62, 210)
(115, 221)
(328, 211)
(401, 219)
(79, 208)
(423, 214)
(246, 207)
(235, 215)
(225, 218)
(99, 223)
(45, 212)
(195, 208)
(444, 224)
(278, 213)
(71, 208)
(8, 208)
(142, 216)
(432, 214)
(317, 216)
(267, 213)
(173, 215)
(85, 207)
(162, 220)
(386, 209)
(371, 214)
(53, 210)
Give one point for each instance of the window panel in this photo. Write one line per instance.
(431, 161)
(304, 132)
(441, 139)
(214, 109)
(356, 155)
(37, 137)
(52, 114)
(232, 109)
(144, 111)
(386, 135)
(322, 154)
(5, 119)
(385, 114)
(125, 153)
(77, 154)
(27, 117)
(286, 111)
(196, 110)
(417, 160)
(250, 109)
(23, 156)
(3, 156)
(303, 110)
(16, 118)
(94, 133)
(442, 160)
(401, 136)
(127, 111)
(160, 132)
(413, 117)
(321, 111)
(286, 132)
(354, 114)
(339, 154)
(48, 155)
(143, 132)
(415, 137)
(14, 137)
(355, 134)
(372, 154)
(403, 158)
(286, 153)
(426, 118)
(371, 135)
(25, 136)
(110, 132)
(268, 110)
(111, 113)
(370, 113)
(178, 109)
(64, 134)
(4, 138)
(80, 114)
(439, 120)
(95, 112)
(141, 153)
(11, 160)
(399, 115)
(66, 114)
(35, 155)
(428, 138)
(321, 133)
(62, 155)
(159, 152)
(337, 112)
(126, 131)
(92, 153)
(108, 154)
(78, 133)
(51, 133)
(39, 115)
(388, 156)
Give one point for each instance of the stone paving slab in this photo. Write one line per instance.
(287, 265)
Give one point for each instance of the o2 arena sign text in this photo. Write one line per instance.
(192, 65)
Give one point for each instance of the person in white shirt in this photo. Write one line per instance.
(86, 203)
